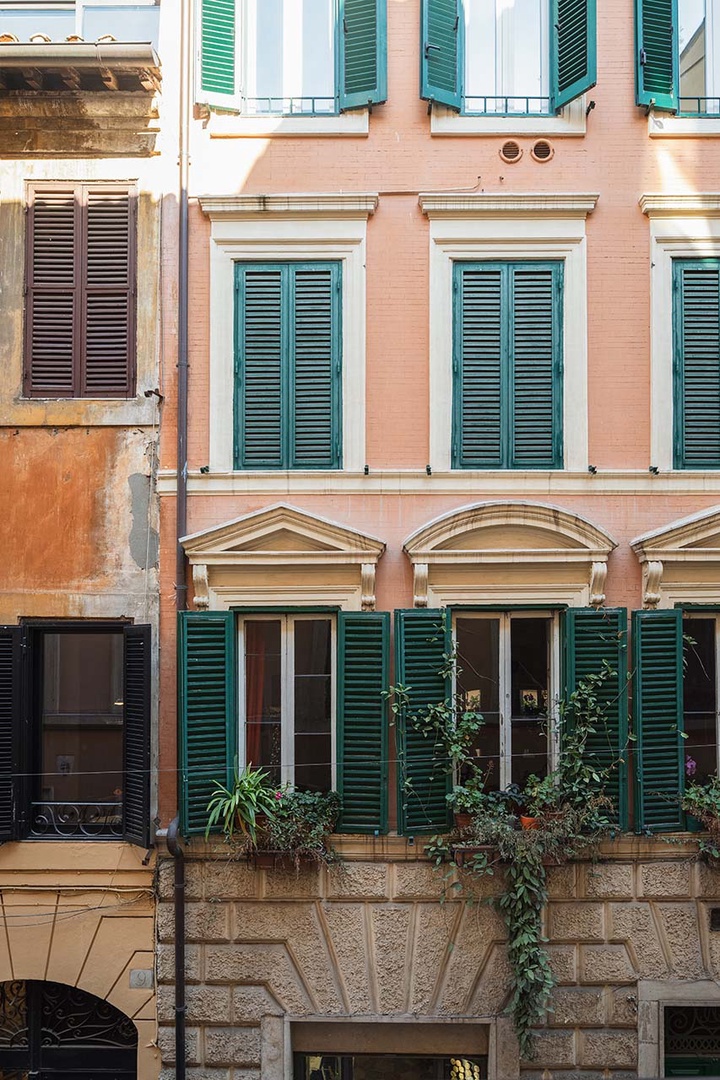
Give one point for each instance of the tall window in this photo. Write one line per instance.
(699, 61)
(507, 56)
(678, 55)
(701, 641)
(126, 20)
(696, 338)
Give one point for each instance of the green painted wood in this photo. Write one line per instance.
(592, 640)
(573, 57)
(441, 55)
(207, 710)
(658, 719)
(362, 731)
(362, 37)
(217, 47)
(696, 363)
(422, 643)
(656, 54)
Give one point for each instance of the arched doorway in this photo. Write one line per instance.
(51, 1030)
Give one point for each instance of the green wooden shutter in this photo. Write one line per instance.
(315, 361)
(573, 64)
(422, 643)
(592, 640)
(363, 53)
(658, 718)
(208, 717)
(696, 348)
(507, 366)
(656, 58)
(217, 50)
(262, 348)
(362, 732)
(441, 59)
(10, 728)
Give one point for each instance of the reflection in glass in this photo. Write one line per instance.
(293, 58)
(693, 49)
(699, 699)
(478, 682)
(313, 704)
(263, 708)
(507, 53)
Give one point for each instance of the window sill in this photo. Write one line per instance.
(571, 121)
(665, 125)
(233, 126)
(83, 412)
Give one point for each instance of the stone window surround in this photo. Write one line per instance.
(682, 545)
(287, 227)
(653, 997)
(473, 227)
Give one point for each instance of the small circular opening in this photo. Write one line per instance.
(510, 152)
(542, 150)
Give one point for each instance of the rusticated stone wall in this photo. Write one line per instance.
(371, 940)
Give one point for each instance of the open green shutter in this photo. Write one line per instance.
(477, 367)
(261, 342)
(656, 53)
(362, 734)
(594, 642)
(535, 312)
(10, 728)
(574, 51)
(422, 643)
(315, 364)
(217, 49)
(441, 60)
(696, 344)
(208, 717)
(363, 53)
(658, 718)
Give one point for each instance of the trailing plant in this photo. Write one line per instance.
(702, 801)
(301, 824)
(240, 806)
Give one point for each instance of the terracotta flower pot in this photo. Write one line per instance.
(463, 820)
(528, 822)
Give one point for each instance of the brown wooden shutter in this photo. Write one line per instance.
(80, 313)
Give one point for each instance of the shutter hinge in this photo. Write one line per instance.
(643, 57)
(345, 25)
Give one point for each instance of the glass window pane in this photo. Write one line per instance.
(292, 59)
(478, 681)
(126, 22)
(507, 54)
(529, 655)
(313, 704)
(699, 699)
(693, 48)
(58, 25)
(268, 59)
(263, 710)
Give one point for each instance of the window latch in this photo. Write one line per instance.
(643, 57)
(431, 48)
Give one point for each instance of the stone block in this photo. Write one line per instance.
(261, 964)
(208, 1004)
(576, 1007)
(608, 1049)
(230, 880)
(194, 876)
(390, 925)
(293, 884)
(166, 1004)
(232, 1046)
(253, 1003)
(623, 1007)
(166, 878)
(357, 881)
(680, 924)
(165, 922)
(554, 1049)
(166, 963)
(708, 881)
(493, 989)
(346, 926)
(634, 923)
(665, 879)
(562, 882)
(606, 964)
(563, 963)
(166, 1045)
(207, 922)
(416, 881)
(576, 922)
(609, 881)
(198, 1074)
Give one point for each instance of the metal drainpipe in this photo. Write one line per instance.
(173, 846)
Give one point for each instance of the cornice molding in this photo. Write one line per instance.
(333, 204)
(441, 204)
(680, 205)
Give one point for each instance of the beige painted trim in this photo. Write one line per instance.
(665, 125)
(498, 204)
(571, 121)
(236, 126)
(680, 205)
(684, 545)
(305, 227)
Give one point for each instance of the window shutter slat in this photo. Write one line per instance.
(109, 309)
(535, 403)
(208, 718)
(217, 48)
(362, 737)
(441, 52)
(136, 734)
(593, 639)
(10, 731)
(261, 342)
(658, 718)
(478, 346)
(422, 643)
(363, 41)
(574, 53)
(697, 363)
(314, 387)
(656, 61)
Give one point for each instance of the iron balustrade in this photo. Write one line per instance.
(75, 820)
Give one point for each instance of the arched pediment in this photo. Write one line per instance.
(681, 561)
(495, 551)
(281, 554)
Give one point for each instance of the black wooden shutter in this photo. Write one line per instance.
(10, 728)
(422, 642)
(362, 737)
(136, 734)
(363, 37)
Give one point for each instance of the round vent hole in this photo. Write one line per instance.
(510, 152)
(542, 150)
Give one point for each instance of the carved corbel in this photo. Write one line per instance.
(367, 586)
(201, 599)
(652, 576)
(598, 577)
(420, 585)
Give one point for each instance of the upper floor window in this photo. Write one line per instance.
(678, 55)
(507, 57)
(292, 57)
(507, 365)
(125, 20)
(80, 292)
(696, 363)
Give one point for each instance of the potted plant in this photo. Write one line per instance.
(241, 806)
(299, 828)
(702, 802)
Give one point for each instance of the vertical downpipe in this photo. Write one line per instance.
(173, 845)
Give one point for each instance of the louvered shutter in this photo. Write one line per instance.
(658, 718)
(441, 59)
(696, 301)
(261, 344)
(315, 366)
(136, 734)
(362, 731)
(208, 717)
(574, 52)
(10, 728)
(363, 53)
(478, 367)
(596, 643)
(217, 51)
(536, 381)
(422, 642)
(656, 61)
(52, 320)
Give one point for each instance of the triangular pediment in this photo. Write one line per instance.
(698, 533)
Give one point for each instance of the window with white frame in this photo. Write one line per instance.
(507, 56)
(125, 20)
(699, 60)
